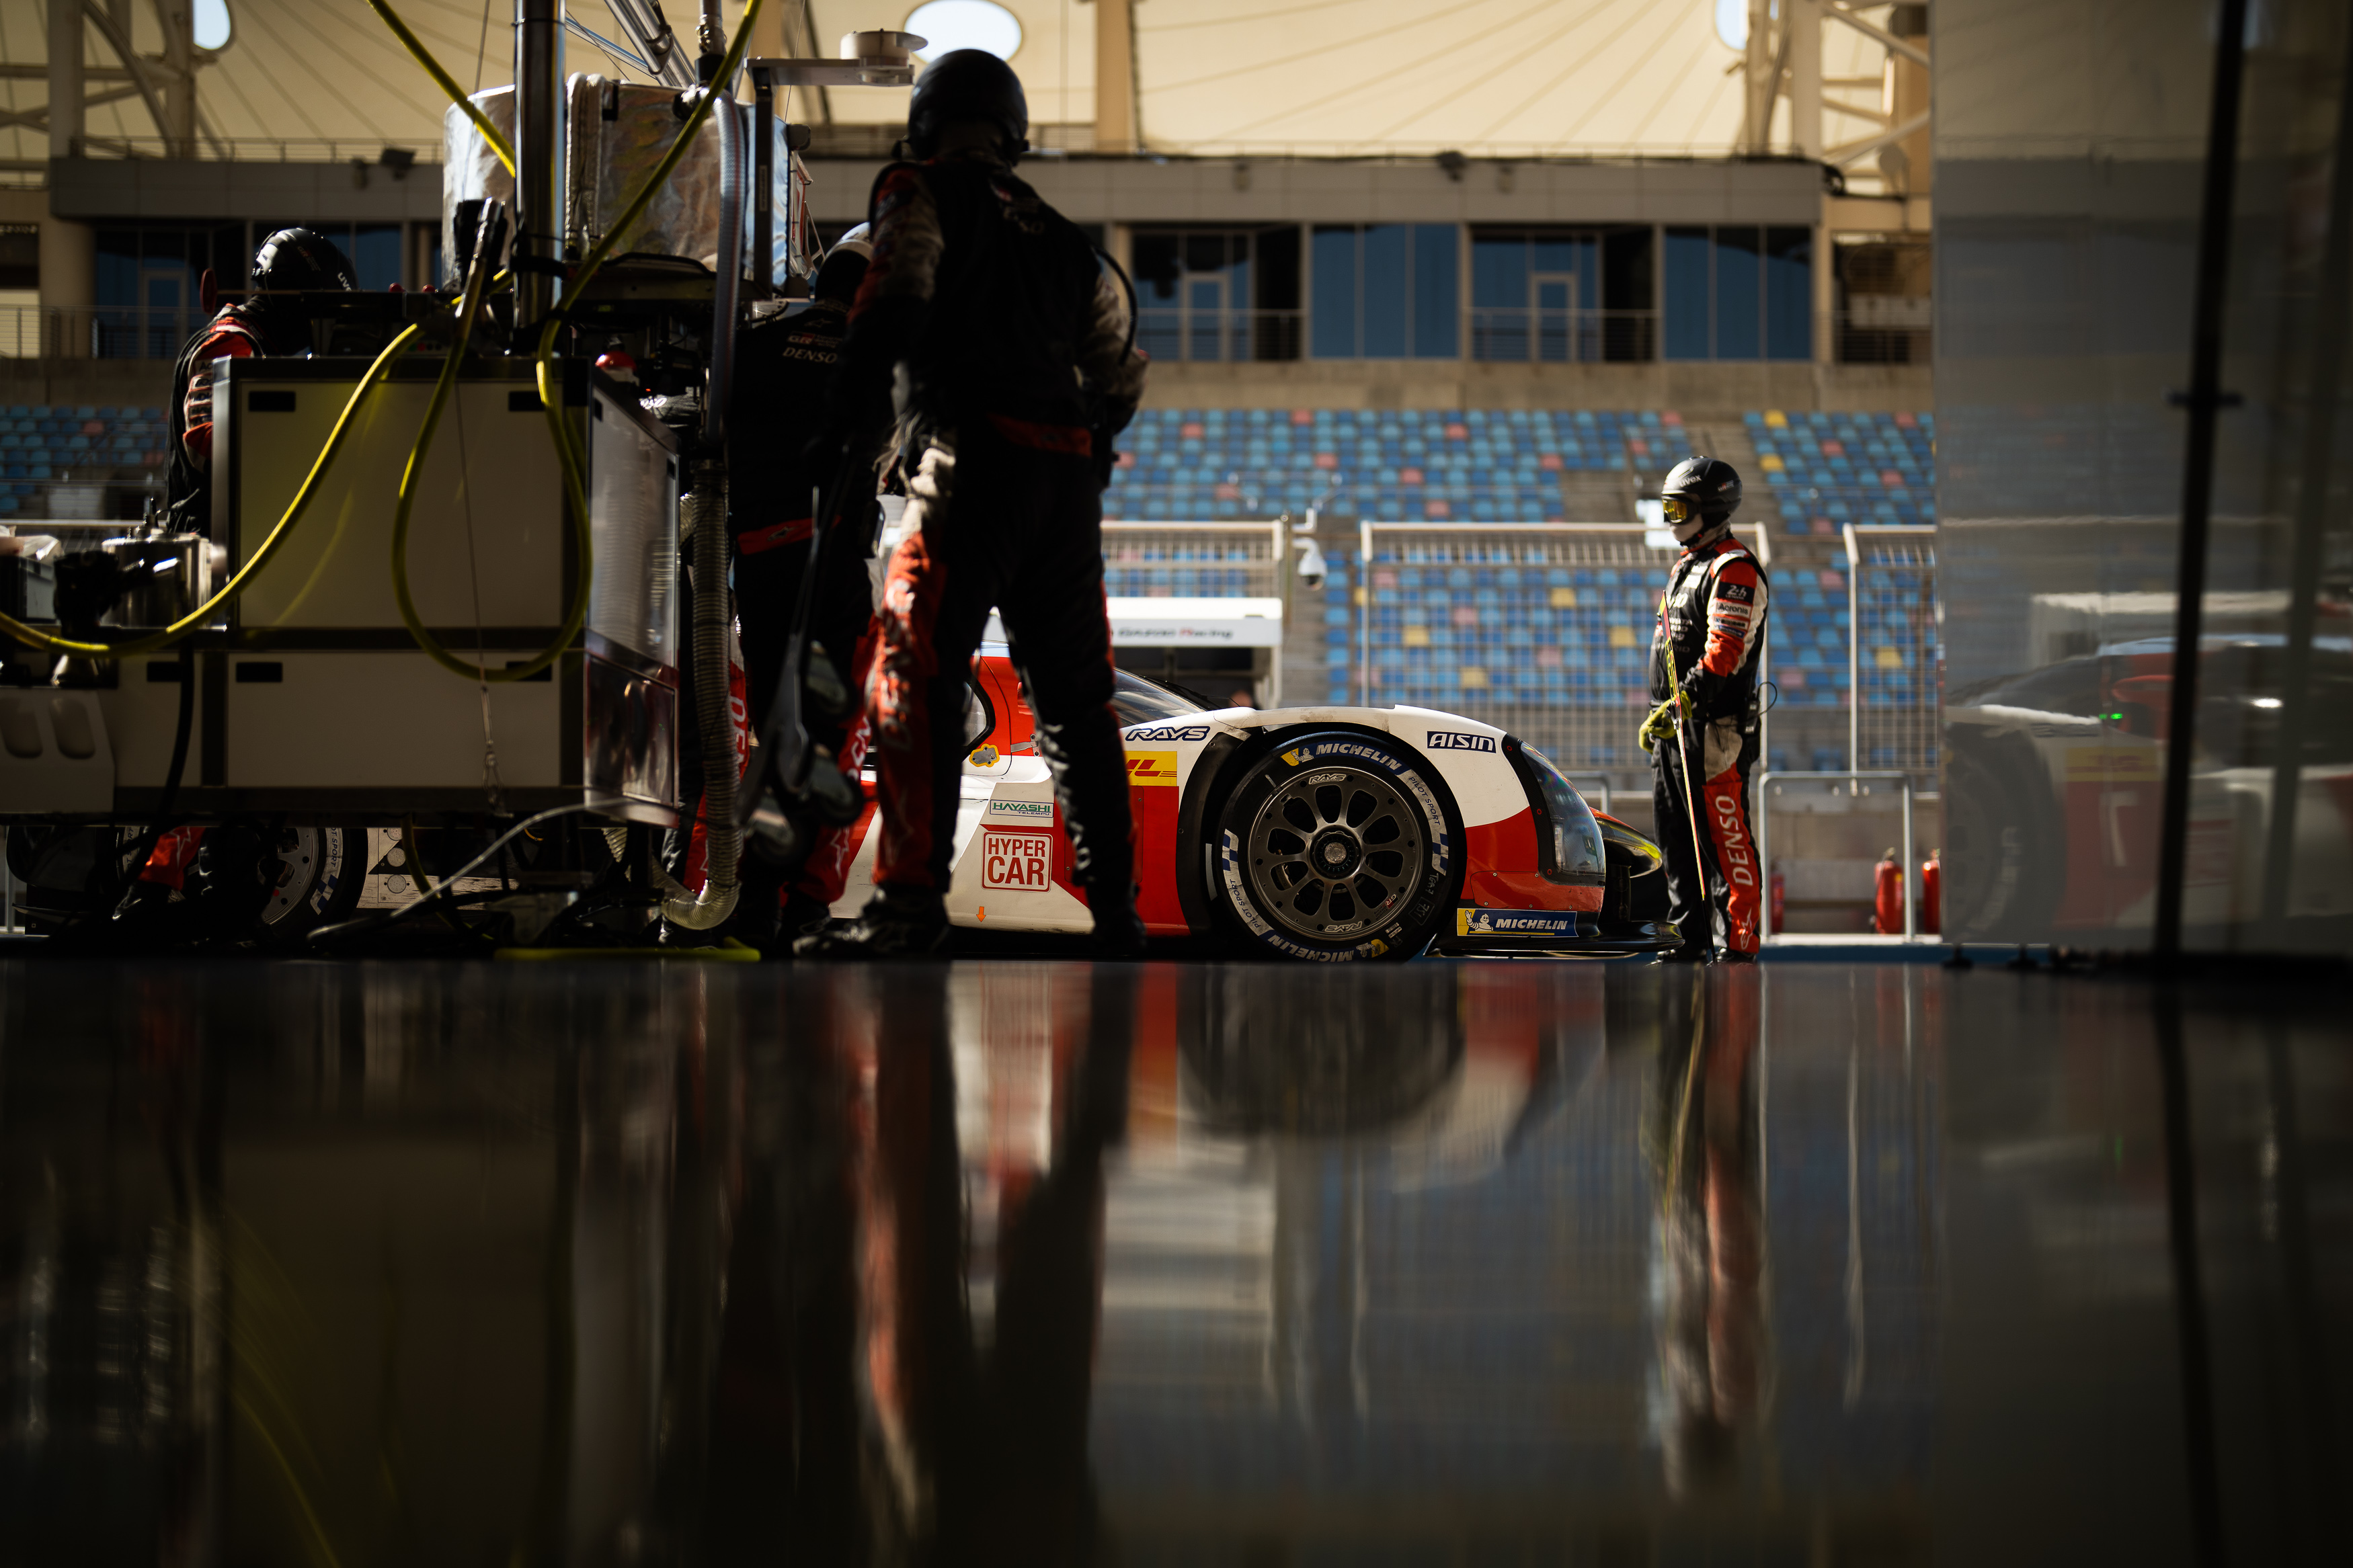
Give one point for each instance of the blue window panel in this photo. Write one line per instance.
(1687, 334)
(1437, 291)
(1789, 293)
(1739, 294)
(1331, 332)
(1388, 250)
(375, 255)
(1499, 273)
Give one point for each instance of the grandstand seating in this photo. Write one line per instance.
(1390, 465)
(1452, 636)
(40, 443)
(1829, 470)
(1458, 635)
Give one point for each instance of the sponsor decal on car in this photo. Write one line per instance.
(1170, 733)
(1145, 768)
(1021, 810)
(1456, 740)
(1515, 922)
(1017, 859)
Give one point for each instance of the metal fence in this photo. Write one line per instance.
(50, 331)
(1893, 656)
(1563, 336)
(1542, 629)
(1207, 333)
(1196, 559)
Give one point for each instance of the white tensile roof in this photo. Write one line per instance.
(1354, 77)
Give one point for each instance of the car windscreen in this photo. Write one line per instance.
(1140, 701)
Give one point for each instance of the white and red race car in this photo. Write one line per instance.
(1334, 835)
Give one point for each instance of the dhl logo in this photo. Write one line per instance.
(1156, 768)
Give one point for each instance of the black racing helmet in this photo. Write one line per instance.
(1707, 487)
(300, 258)
(968, 84)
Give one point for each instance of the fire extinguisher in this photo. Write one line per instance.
(1932, 885)
(1776, 903)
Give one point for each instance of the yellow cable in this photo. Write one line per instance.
(569, 457)
(424, 56)
(236, 585)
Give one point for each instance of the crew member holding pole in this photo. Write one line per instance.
(1703, 735)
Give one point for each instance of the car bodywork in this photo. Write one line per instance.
(1526, 865)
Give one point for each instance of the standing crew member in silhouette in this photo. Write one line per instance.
(988, 327)
(1702, 736)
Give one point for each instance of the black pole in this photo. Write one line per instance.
(2204, 400)
(2311, 515)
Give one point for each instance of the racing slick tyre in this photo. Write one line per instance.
(319, 873)
(1339, 847)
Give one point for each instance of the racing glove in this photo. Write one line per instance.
(1664, 719)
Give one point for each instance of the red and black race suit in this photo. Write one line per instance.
(996, 523)
(1712, 625)
(187, 479)
(987, 326)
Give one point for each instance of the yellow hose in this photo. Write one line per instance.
(236, 585)
(551, 402)
(424, 56)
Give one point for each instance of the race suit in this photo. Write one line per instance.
(988, 307)
(188, 480)
(1712, 625)
(784, 374)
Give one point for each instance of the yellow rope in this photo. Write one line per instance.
(424, 56)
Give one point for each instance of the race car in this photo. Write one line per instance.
(1330, 835)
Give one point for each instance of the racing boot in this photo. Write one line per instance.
(1681, 955)
(802, 915)
(897, 923)
(1119, 931)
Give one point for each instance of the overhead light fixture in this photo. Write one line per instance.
(948, 25)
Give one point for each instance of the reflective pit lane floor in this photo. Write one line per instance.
(1444, 1264)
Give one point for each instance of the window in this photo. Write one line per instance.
(1740, 293)
(1217, 294)
(1561, 295)
(1386, 292)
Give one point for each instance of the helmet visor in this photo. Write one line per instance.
(1677, 508)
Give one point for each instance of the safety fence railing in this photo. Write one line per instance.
(1885, 328)
(1893, 658)
(400, 156)
(126, 332)
(1540, 629)
(1564, 335)
(1212, 332)
(1196, 560)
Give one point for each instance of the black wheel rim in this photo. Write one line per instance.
(1335, 852)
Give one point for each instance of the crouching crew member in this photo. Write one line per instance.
(1703, 735)
(268, 322)
(987, 326)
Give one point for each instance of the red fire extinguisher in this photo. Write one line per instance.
(1777, 902)
(1887, 896)
(1932, 885)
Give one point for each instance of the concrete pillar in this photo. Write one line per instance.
(68, 287)
(1805, 25)
(1759, 88)
(1909, 165)
(65, 77)
(179, 19)
(1114, 76)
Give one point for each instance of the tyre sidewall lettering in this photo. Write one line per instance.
(1288, 762)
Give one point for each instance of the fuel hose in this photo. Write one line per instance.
(234, 587)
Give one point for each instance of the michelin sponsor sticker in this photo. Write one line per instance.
(1515, 923)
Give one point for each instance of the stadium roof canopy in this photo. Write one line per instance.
(1341, 77)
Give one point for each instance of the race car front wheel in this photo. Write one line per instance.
(1338, 847)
